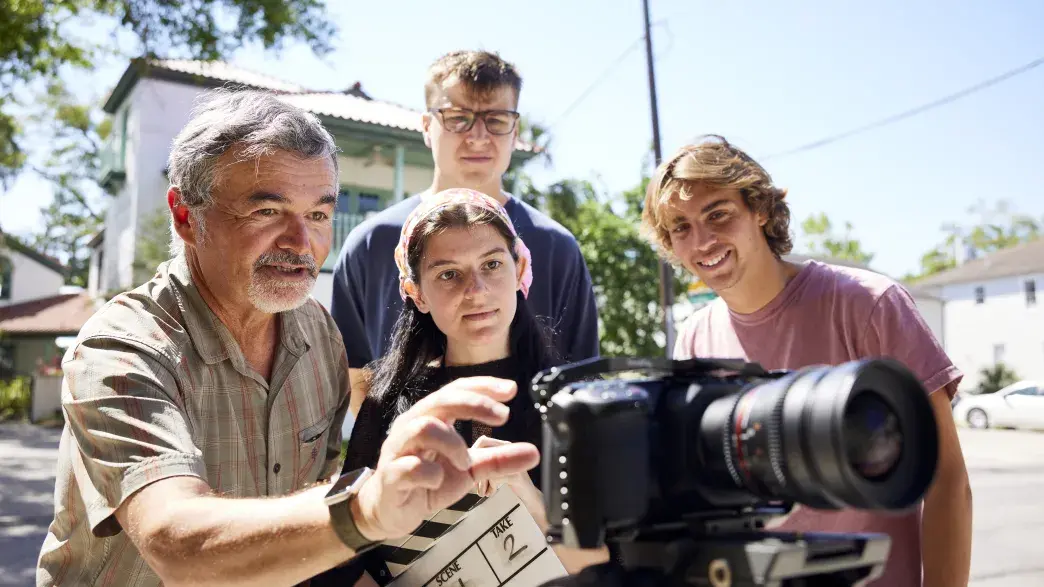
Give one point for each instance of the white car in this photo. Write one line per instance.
(1019, 405)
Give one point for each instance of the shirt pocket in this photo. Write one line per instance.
(312, 440)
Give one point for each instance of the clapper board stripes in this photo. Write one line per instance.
(392, 557)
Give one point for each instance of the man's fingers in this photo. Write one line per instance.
(452, 404)
(427, 435)
(500, 461)
(412, 472)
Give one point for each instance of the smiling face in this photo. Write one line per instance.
(268, 230)
(467, 282)
(718, 238)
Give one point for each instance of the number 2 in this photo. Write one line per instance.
(511, 552)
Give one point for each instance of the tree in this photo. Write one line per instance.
(39, 43)
(996, 378)
(624, 268)
(77, 209)
(36, 48)
(823, 241)
(999, 227)
(153, 245)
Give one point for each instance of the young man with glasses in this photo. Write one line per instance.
(471, 125)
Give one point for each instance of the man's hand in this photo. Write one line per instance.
(426, 466)
(520, 483)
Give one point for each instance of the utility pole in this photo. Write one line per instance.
(666, 272)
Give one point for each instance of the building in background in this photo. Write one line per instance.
(383, 157)
(991, 312)
(37, 313)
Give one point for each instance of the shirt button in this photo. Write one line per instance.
(276, 468)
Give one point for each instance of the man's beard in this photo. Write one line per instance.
(272, 296)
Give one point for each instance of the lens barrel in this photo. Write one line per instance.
(858, 435)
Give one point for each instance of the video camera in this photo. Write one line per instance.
(679, 470)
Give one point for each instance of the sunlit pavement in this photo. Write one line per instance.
(1006, 469)
(1007, 477)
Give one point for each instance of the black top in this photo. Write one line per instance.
(523, 425)
(375, 418)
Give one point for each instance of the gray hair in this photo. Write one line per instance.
(255, 122)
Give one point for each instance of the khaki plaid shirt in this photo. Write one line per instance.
(156, 387)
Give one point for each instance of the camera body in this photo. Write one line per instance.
(703, 444)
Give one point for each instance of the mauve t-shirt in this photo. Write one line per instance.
(828, 315)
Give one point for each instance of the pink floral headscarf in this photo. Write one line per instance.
(445, 199)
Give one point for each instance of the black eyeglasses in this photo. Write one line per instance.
(460, 120)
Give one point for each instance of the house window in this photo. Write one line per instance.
(998, 353)
(344, 201)
(980, 295)
(1031, 292)
(6, 277)
(369, 203)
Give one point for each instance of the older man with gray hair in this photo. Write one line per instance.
(203, 409)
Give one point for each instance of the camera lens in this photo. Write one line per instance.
(858, 435)
(873, 441)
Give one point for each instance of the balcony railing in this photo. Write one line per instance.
(343, 223)
(111, 168)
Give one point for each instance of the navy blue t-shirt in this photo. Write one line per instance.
(366, 302)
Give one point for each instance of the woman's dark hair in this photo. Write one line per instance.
(400, 377)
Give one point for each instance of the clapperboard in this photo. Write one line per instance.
(477, 542)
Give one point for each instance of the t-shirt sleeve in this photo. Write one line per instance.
(580, 311)
(347, 302)
(129, 428)
(896, 329)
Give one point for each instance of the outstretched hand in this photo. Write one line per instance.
(425, 465)
(531, 496)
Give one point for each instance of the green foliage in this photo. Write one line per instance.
(996, 378)
(37, 43)
(998, 228)
(14, 398)
(824, 242)
(624, 268)
(153, 246)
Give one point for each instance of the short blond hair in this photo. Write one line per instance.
(715, 163)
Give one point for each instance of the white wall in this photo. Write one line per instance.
(30, 279)
(973, 330)
(932, 311)
(354, 171)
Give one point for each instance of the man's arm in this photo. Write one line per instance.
(579, 320)
(897, 329)
(947, 517)
(190, 537)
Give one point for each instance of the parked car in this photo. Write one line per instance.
(1019, 405)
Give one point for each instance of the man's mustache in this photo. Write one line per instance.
(288, 258)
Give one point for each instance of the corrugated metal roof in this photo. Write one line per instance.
(225, 72)
(1022, 259)
(347, 107)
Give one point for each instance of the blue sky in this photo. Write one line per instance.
(769, 76)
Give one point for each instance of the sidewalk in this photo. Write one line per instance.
(28, 456)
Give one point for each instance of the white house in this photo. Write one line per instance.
(383, 157)
(991, 313)
(36, 312)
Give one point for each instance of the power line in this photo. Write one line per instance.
(615, 63)
(909, 113)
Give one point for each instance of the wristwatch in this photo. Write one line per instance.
(338, 500)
